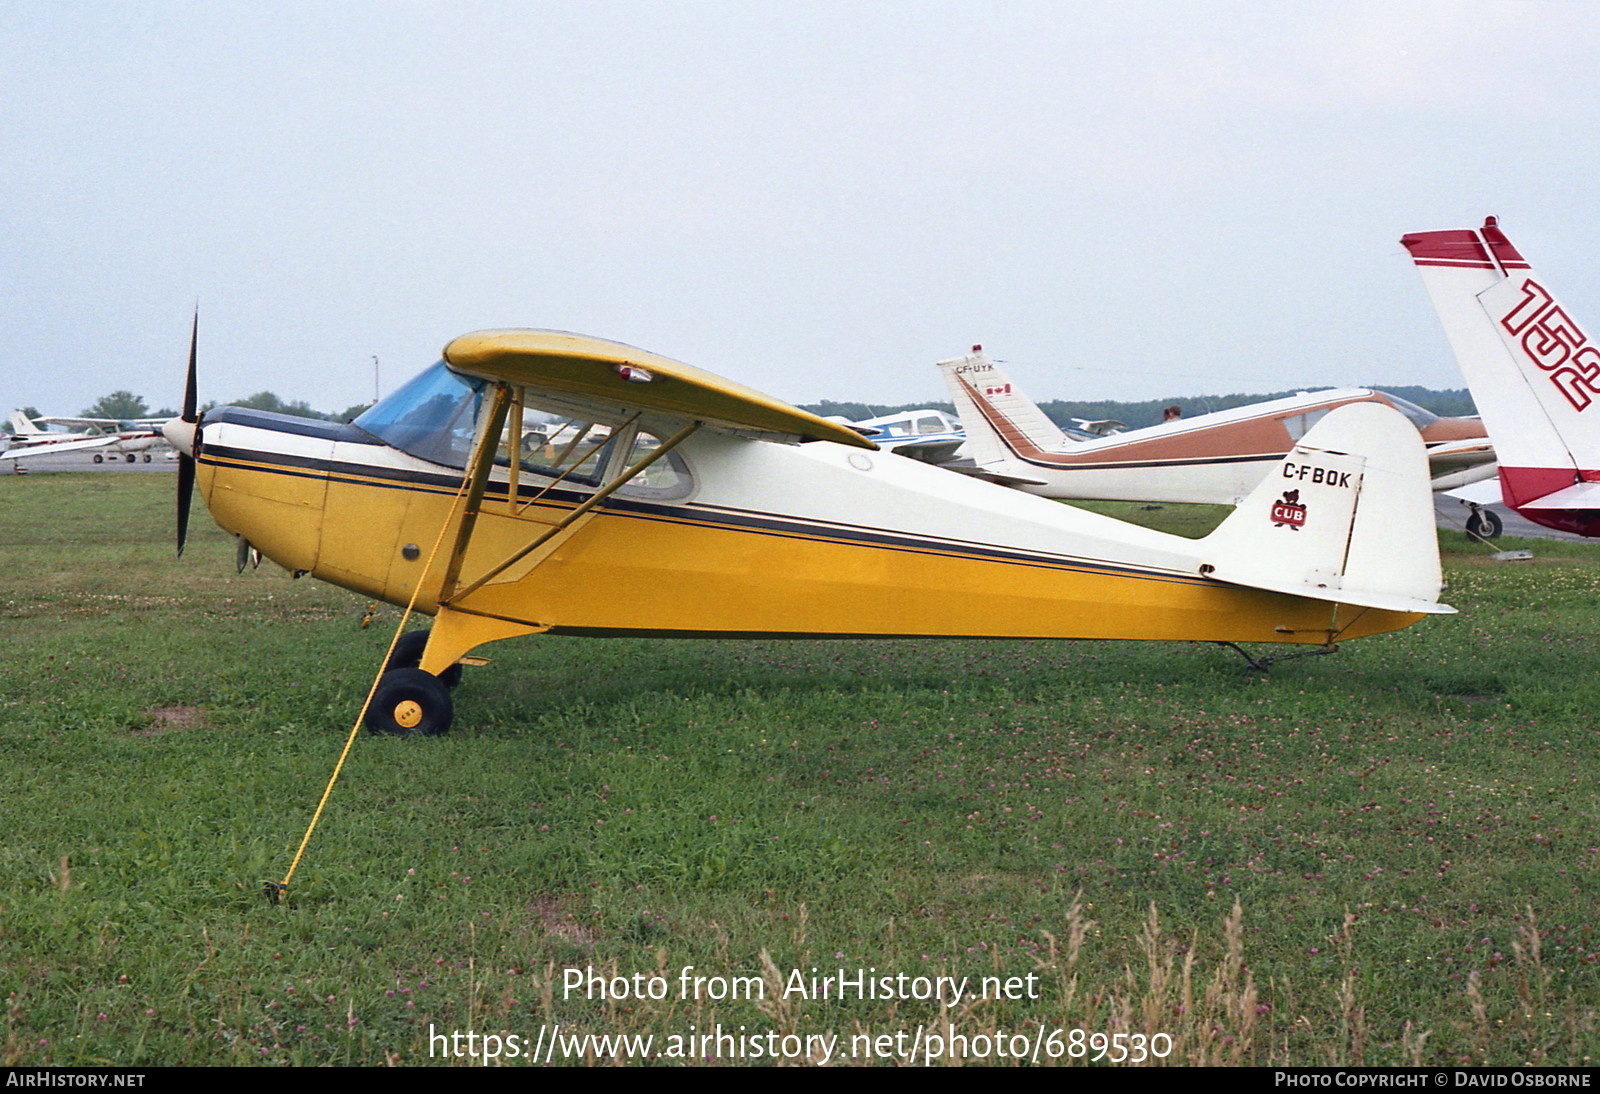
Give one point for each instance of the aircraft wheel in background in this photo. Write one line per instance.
(99, 458)
(1484, 523)
(409, 703)
(408, 655)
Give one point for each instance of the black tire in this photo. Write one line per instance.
(408, 655)
(99, 458)
(131, 458)
(147, 457)
(409, 703)
(1485, 524)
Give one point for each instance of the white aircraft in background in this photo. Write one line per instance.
(928, 435)
(1213, 458)
(1531, 368)
(102, 436)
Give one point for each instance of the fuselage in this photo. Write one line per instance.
(1215, 458)
(732, 537)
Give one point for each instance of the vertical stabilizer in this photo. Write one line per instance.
(21, 426)
(1532, 370)
(1347, 516)
(1001, 423)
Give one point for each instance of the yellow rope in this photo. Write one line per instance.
(274, 891)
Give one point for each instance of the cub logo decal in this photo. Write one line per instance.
(1287, 511)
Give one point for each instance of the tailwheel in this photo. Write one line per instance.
(408, 655)
(409, 703)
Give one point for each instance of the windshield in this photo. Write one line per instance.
(431, 416)
(1420, 418)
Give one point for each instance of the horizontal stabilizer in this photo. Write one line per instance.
(1484, 492)
(1582, 495)
(598, 373)
(1347, 516)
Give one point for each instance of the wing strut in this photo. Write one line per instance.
(478, 477)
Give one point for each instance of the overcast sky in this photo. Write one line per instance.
(817, 199)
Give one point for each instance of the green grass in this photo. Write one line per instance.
(1408, 828)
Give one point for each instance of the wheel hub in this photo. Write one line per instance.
(407, 713)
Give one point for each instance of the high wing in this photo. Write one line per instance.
(609, 377)
(113, 424)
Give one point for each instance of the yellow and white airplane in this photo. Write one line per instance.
(676, 503)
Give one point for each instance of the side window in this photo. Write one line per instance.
(541, 449)
(555, 447)
(666, 479)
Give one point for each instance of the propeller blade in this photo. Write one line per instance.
(189, 377)
(185, 495)
(185, 460)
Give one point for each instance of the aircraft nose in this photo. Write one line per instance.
(181, 434)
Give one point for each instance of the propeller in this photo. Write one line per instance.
(185, 437)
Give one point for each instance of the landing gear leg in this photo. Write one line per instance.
(408, 655)
(1262, 664)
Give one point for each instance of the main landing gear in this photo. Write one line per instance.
(409, 702)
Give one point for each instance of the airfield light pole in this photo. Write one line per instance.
(374, 378)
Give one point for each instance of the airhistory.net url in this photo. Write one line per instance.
(913, 1046)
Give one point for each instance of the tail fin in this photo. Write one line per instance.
(1532, 371)
(1347, 516)
(1001, 423)
(21, 425)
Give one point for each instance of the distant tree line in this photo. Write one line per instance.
(1448, 403)
(125, 405)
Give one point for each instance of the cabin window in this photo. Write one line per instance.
(435, 417)
(1299, 424)
(665, 479)
(1420, 418)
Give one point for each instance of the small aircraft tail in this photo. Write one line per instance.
(1001, 423)
(21, 426)
(1530, 367)
(1347, 516)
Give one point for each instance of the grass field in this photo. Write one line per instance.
(1386, 856)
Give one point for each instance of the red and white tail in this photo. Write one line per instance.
(1532, 370)
(1001, 423)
